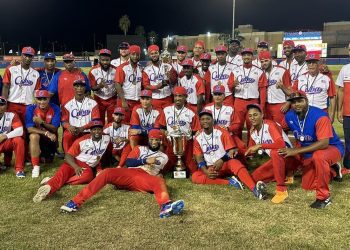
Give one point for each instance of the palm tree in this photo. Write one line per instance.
(152, 37)
(140, 31)
(124, 24)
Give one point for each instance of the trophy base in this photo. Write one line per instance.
(180, 174)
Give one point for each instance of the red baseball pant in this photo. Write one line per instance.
(131, 104)
(273, 112)
(122, 153)
(14, 145)
(106, 106)
(68, 139)
(133, 179)
(240, 107)
(230, 167)
(19, 109)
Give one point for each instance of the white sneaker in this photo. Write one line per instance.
(36, 172)
(45, 180)
(43, 191)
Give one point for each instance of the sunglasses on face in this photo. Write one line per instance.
(217, 94)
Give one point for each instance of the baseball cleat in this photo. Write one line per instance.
(338, 173)
(36, 172)
(280, 197)
(260, 190)
(20, 175)
(171, 208)
(45, 180)
(42, 193)
(319, 204)
(233, 181)
(69, 207)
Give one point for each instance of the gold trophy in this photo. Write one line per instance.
(178, 140)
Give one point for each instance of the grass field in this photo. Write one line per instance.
(214, 217)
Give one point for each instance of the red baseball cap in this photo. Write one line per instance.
(68, 57)
(182, 48)
(155, 134)
(179, 90)
(313, 56)
(288, 43)
(247, 50)
(96, 123)
(297, 95)
(135, 49)
(219, 89)
(205, 112)
(201, 43)
(105, 52)
(41, 93)
(152, 48)
(263, 55)
(80, 81)
(220, 48)
(263, 44)
(119, 110)
(3, 100)
(187, 62)
(205, 56)
(146, 93)
(28, 51)
(255, 106)
(300, 47)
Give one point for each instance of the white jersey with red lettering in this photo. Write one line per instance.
(143, 152)
(156, 75)
(297, 70)
(222, 75)
(257, 62)
(117, 132)
(131, 79)
(196, 63)
(287, 65)
(248, 79)
(214, 146)
(86, 150)
(201, 72)
(276, 75)
(237, 60)
(79, 114)
(177, 67)
(97, 75)
(266, 135)
(194, 87)
(143, 118)
(222, 116)
(22, 83)
(119, 61)
(317, 88)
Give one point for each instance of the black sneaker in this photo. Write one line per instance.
(337, 169)
(319, 204)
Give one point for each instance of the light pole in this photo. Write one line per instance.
(233, 18)
(3, 47)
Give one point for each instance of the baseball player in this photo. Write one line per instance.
(214, 151)
(250, 87)
(288, 46)
(266, 137)
(299, 68)
(279, 86)
(343, 108)
(80, 161)
(179, 117)
(124, 55)
(101, 79)
(77, 114)
(205, 63)
(198, 50)
(233, 56)
(220, 73)
(118, 133)
(181, 53)
(143, 119)
(42, 121)
(157, 77)
(11, 131)
(129, 82)
(320, 148)
(319, 88)
(262, 46)
(19, 84)
(144, 164)
(194, 86)
(61, 86)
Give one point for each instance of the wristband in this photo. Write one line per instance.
(202, 164)
(226, 157)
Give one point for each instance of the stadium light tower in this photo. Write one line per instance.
(233, 17)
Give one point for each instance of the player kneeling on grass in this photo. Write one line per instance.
(214, 151)
(144, 164)
(266, 137)
(81, 158)
(11, 140)
(42, 121)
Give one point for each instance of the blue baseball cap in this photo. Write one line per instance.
(50, 56)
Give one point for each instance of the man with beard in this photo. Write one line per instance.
(288, 46)
(157, 77)
(320, 147)
(61, 85)
(143, 166)
(19, 83)
(233, 48)
(124, 55)
(198, 50)
(205, 63)
(80, 162)
(193, 85)
(220, 73)
(129, 82)
(279, 86)
(250, 87)
(42, 121)
(101, 79)
(299, 68)
(181, 53)
(214, 151)
(262, 46)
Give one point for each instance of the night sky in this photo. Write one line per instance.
(72, 22)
